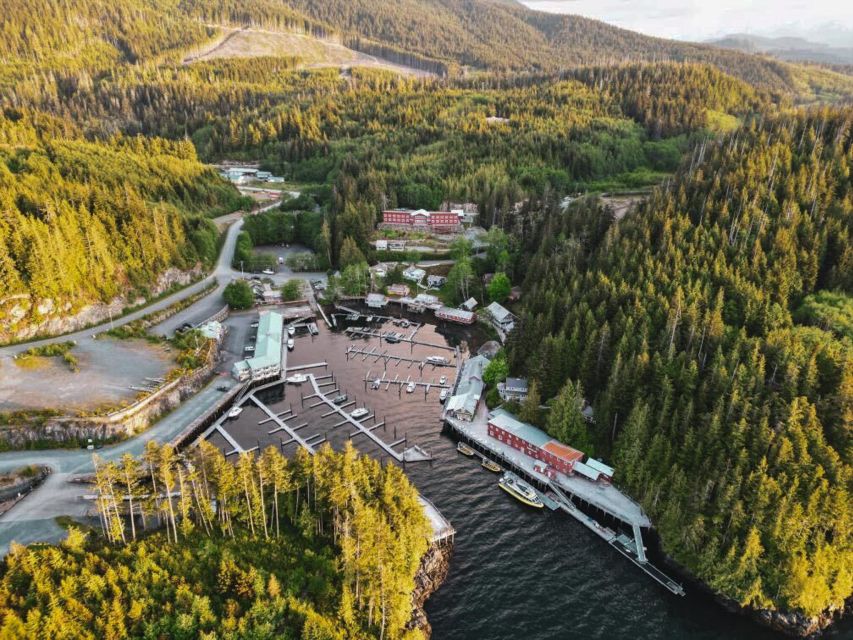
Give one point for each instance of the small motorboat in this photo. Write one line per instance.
(235, 412)
(436, 360)
(404, 324)
(291, 331)
(442, 397)
(520, 490)
(359, 413)
(490, 465)
(375, 384)
(410, 388)
(442, 380)
(290, 344)
(393, 338)
(297, 378)
(340, 399)
(465, 450)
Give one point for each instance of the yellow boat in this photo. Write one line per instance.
(465, 450)
(520, 490)
(491, 466)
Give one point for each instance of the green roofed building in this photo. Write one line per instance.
(266, 361)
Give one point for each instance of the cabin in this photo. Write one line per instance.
(501, 318)
(382, 245)
(376, 301)
(513, 389)
(469, 305)
(398, 290)
(436, 282)
(414, 274)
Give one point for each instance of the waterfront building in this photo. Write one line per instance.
(436, 281)
(463, 404)
(375, 300)
(414, 274)
(266, 360)
(398, 290)
(455, 315)
(469, 305)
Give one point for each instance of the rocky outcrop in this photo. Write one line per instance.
(433, 571)
(24, 318)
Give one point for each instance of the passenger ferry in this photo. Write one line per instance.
(465, 450)
(520, 490)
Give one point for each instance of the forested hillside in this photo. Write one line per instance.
(323, 547)
(84, 221)
(725, 415)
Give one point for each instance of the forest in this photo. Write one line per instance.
(321, 547)
(710, 330)
(84, 221)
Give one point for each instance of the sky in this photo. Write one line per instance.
(706, 19)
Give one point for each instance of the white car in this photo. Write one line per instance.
(410, 388)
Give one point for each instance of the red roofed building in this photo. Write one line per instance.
(560, 456)
(406, 219)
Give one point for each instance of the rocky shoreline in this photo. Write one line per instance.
(431, 574)
(790, 623)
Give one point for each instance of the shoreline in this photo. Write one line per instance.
(433, 570)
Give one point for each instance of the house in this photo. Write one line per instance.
(263, 175)
(455, 315)
(436, 281)
(414, 274)
(500, 317)
(513, 390)
(382, 245)
(469, 305)
(398, 290)
(427, 300)
(515, 294)
(275, 179)
(266, 360)
(396, 245)
(463, 405)
(375, 300)
(379, 270)
(420, 220)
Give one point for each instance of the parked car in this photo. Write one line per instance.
(249, 348)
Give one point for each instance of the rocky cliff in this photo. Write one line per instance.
(433, 570)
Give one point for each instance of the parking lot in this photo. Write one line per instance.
(108, 369)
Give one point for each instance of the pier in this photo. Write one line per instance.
(564, 490)
(387, 358)
(371, 333)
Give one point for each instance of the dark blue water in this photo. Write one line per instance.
(515, 572)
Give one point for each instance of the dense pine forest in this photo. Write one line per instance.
(710, 329)
(85, 221)
(324, 547)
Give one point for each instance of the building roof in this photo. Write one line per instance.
(467, 401)
(456, 314)
(500, 313)
(513, 425)
(211, 330)
(470, 304)
(398, 289)
(268, 343)
(562, 451)
(375, 298)
(516, 384)
(600, 466)
(586, 470)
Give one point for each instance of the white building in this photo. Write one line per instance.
(513, 390)
(266, 361)
(501, 318)
(414, 274)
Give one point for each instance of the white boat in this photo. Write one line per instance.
(297, 378)
(291, 331)
(520, 490)
(442, 380)
(249, 349)
(290, 344)
(436, 360)
(410, 388)
(359, 413)
(268, 272)
(235, 411)
(443, 395)
(376, 383)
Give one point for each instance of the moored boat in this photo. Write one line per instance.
(235, 411)
(297, 378)
(491, 465)
(520, 490)
(465, 450)
(442, 397)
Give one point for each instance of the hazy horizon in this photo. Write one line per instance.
(694, 20)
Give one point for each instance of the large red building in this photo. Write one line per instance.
(533, 442)
(407, 219)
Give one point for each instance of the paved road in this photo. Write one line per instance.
(33, 519)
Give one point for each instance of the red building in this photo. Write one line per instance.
(533, 442)
(407, 219)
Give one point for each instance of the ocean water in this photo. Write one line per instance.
(516, 572)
